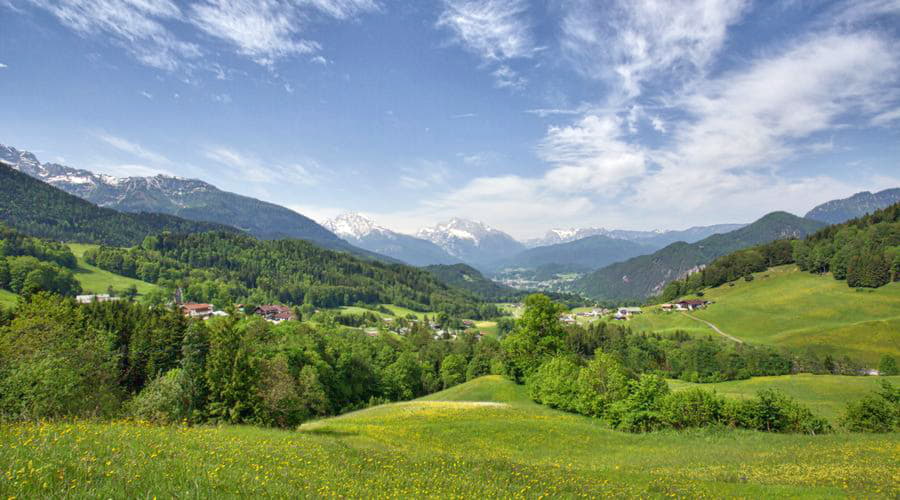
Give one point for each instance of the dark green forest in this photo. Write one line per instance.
(29, 265)
(224, 268)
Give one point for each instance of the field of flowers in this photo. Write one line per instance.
(435, 448)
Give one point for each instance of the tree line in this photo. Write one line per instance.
(29, 265)
(222, 268)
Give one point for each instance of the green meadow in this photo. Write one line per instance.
(96, 280)
(787, 307)
(8, 299)
(826, 395)
(481, 439)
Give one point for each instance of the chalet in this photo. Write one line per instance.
(275, 313)
(87, 299)
(193, 310)
(667, 307)
(691, 305)
(627, 312)
(567, 318)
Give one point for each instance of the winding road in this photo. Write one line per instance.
(714, 327)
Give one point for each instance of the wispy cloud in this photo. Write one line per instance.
(629, 41)
(146, 94)
(425, 174)
(136, 25)
(249, 167)
(3, 66)
(494, 30)
(132, 148)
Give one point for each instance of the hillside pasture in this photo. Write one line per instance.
(826, 395)
(787, 307)
(96, 280)
(8, 299)
(442, 446)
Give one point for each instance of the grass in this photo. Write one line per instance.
(787, 307)
(500, 445)
(825, 395)
(8, 299)
(96, 280)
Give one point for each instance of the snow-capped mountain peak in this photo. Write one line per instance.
(471, 241)
(354, 225)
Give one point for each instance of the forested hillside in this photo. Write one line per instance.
(647, 275)
(469, 278)
(226, 268)
(39, 209)
(838, 211)
(30, 265)
(864, 251)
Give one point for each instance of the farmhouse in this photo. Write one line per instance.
(691, 305)
(274, 313)
(193, 310)
(87, 299)
(627, 312)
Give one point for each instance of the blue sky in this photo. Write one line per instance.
(525, 115)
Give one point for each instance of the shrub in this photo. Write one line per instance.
(888, 366)
(601, 382)
(555, 384)
(879, 412)
(691, 408)
(640, 411)
(165, 400)
(772, 411)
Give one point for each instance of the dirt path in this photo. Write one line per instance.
(714, 327)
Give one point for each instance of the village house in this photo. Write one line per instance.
(87, 299)
(201, 311)
(275, 313)
(567, 318)
(691, 305)
(625, 313)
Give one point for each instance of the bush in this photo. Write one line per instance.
(772, 411)
(691, 408)
(879, 412)
(640, 411)
(601, 382)
(888, 366)
(555, 384)
(163, 401)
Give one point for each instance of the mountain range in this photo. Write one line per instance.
(186, 198)
(838, 211)
(39, 209)
(646, 275)
(658, 238)
(364, 233)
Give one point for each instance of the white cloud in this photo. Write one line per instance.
(630, 41)
(319, 60)
(136, 25)
(3, 66)
(269, 30)
(495, 30)
(222, 98)
(132, 148)
(885, 118)
(248, 167)
(591, 155)
(506, 78)
(424, 175)
(146, 94)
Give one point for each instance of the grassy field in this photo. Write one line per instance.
(826, 395)
(482, 439)
(787, 307)
(96, 280)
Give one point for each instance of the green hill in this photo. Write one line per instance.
(787, 307)
(585, 254)
(39, 209)
(826, 395)
(96, 280)
(468, 278)
(647, 275)
(502, 447)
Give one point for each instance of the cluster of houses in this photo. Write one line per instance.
(90, 299)
(626, 313)
(271, 313)
(686, 305)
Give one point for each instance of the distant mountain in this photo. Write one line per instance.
(187, 198)
(582, 255)
(657, 238)
(838, 211)
(39, 209)
(468, 278)
(364, 233)
(647, 275)
(472, 242)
